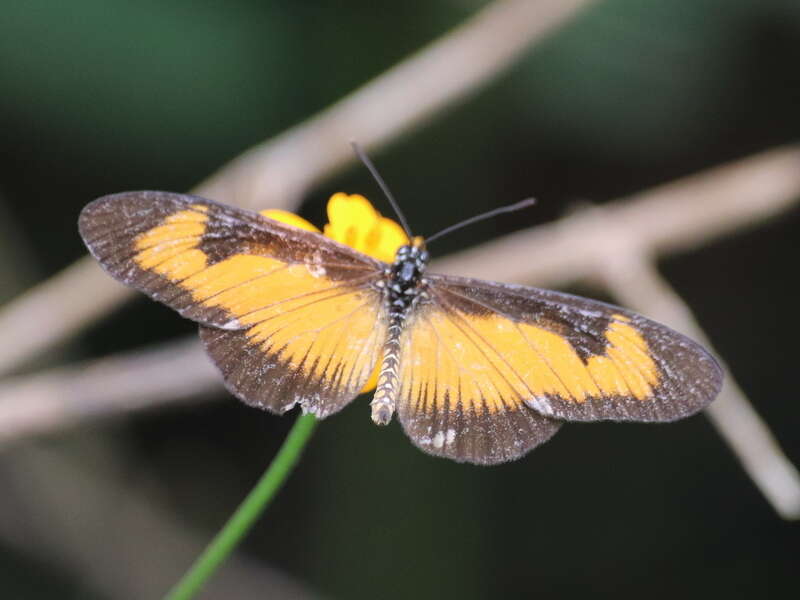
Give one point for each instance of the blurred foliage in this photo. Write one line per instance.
(98, 97)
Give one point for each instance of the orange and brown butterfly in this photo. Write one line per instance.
(477, 371)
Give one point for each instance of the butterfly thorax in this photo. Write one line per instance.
(404, 285)
(405, 278)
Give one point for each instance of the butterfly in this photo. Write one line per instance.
(476, 371)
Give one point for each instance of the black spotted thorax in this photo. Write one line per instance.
(406, 277)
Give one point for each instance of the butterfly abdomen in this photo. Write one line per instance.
(403, 286)
(384, 401)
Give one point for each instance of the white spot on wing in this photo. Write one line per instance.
(316, 270)
(232, 324)
(541, 405)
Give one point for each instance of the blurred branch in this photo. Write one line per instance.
(633, 280)
(278, 172)
(108, 386)
(674, 217)
(392, 104)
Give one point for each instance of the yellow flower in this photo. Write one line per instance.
(353, 221)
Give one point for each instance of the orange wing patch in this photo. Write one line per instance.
(316, 349)
(503, 363)
(170, 249)
(241, 283)
(627, 369)
(316, 331)
(238, 284)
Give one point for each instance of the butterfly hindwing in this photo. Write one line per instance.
(288, 316)
(318, 354)
(455, 398)
(453, 402)
(577, 359)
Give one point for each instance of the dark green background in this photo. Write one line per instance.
(102, 96)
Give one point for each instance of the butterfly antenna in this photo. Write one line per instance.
(385, 188)
(483, 216)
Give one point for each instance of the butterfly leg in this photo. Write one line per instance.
(384, 401)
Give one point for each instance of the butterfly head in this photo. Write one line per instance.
(411, 260)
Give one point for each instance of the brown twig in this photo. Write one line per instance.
(108, 386)
(278, 172)
(633, 279)
(675, 217)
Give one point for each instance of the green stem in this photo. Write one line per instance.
(248, 512)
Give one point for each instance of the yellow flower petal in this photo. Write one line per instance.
(350, 219)
(289, 219)
(390, 237)
(353, 221)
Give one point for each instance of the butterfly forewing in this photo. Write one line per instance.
(211, 262)
(289, 316)
(577, 359)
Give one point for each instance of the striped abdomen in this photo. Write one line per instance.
(384, 400)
